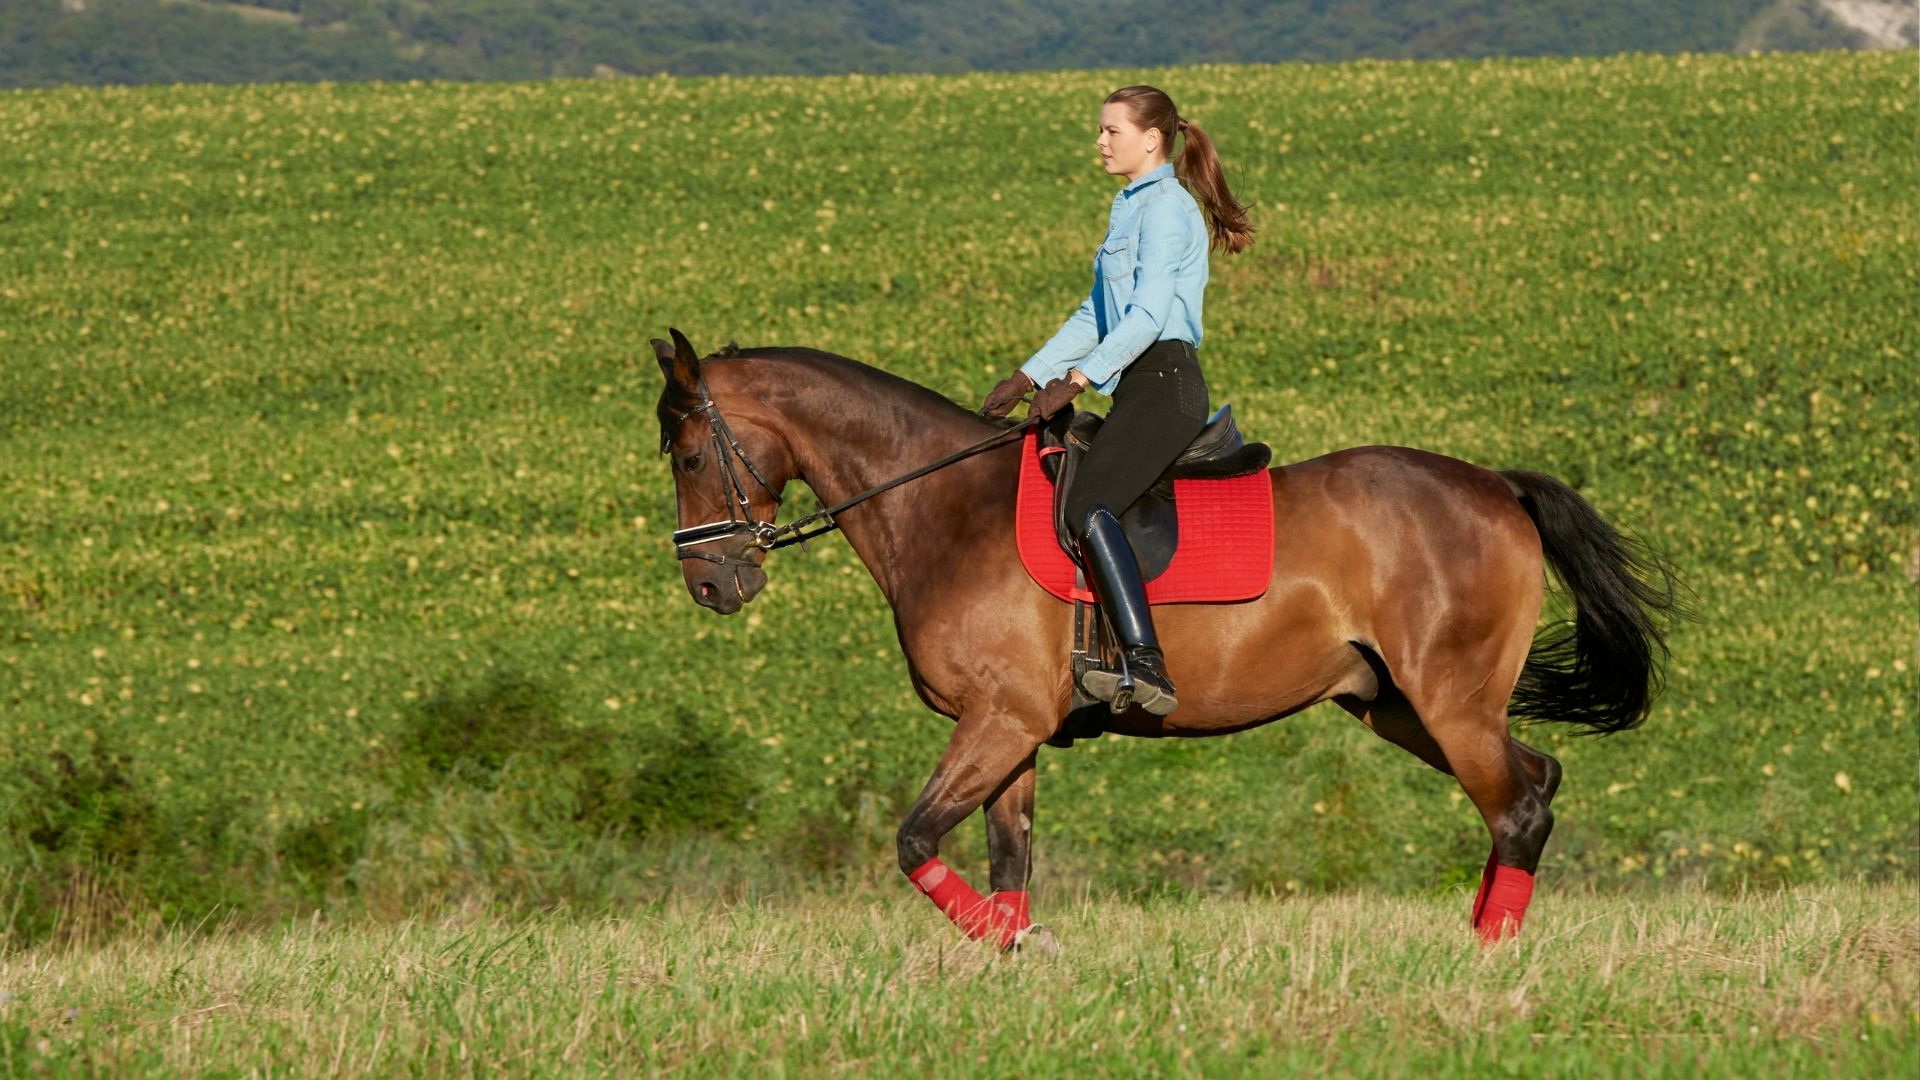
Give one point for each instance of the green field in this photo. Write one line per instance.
(334, 571)
(1816, 981)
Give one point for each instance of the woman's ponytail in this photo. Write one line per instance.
(1197, 164)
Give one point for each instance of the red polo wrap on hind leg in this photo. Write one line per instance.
(954, 897)
(1504, 906)
(1486, 879)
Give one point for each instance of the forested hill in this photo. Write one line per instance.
(56, 42)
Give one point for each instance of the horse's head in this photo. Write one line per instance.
(729, 468)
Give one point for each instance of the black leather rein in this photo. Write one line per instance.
(764, 534)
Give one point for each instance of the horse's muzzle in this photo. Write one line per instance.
(726, 589)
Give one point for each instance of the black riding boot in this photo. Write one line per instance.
(1115, 575)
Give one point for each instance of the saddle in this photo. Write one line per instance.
(1152, 524)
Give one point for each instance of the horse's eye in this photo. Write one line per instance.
(690, 463)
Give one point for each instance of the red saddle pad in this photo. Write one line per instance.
(1226, 537)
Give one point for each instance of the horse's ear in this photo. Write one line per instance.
(678, 362)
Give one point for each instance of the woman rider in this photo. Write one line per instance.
(1135, 337)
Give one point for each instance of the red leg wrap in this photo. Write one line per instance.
(1002, 917)
(1010, 915)
(1508, 893)
(954, 897)
(1486, 879)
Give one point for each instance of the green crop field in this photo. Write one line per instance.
(334, 572)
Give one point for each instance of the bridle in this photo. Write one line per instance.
(740, 520)
(764, 535)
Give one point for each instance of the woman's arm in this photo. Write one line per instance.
(1071, 342)
(1163, 242)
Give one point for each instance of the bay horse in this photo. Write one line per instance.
(1406, 588)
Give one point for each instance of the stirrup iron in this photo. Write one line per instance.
(1123, 692)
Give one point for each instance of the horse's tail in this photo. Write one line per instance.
(1602, 668)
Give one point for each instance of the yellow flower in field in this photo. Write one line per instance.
(1843, 782)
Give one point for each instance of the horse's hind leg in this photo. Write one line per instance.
(1461, 729)
(1492, 771)
(1542, 768)
(1393, 719)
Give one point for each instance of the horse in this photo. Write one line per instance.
(1406, 587)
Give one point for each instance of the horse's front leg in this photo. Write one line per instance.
(989, 761)
(1010, 851)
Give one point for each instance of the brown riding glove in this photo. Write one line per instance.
(1054, 398)
(1002, 398)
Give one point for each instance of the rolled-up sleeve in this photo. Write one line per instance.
(1163, 243)
(1072, 341)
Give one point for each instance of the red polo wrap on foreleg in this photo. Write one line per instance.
(954, 897)
(1010, 915)
(1505, 907)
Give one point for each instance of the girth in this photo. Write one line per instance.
(1152, 524)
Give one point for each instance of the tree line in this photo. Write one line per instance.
(103, 42)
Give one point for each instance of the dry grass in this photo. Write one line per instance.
(1822, 980)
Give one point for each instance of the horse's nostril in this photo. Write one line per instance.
(706, 593)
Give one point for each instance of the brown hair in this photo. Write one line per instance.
(1197, 164)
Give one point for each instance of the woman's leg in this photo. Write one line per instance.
(1158, 408)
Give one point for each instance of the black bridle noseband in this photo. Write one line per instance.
(764, 535)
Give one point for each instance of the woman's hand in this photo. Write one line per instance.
(1002, 398)
(1055, 397)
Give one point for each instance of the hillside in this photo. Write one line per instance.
(56, 42)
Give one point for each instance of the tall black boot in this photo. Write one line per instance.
(1115, 576)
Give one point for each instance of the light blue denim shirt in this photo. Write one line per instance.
(1148, 279)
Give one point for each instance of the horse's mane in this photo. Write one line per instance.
(878, 381)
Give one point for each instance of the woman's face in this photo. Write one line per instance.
(1127, 150)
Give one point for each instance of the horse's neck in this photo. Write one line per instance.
(852, 443)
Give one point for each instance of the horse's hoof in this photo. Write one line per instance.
(1035, 940)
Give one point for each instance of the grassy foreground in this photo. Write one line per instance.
(1821, 980)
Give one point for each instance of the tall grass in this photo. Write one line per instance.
(1815, 981)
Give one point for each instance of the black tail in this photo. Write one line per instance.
(1602, 669)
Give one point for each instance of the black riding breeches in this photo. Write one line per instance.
(1159, 407)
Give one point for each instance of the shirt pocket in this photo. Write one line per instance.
(1116, 259)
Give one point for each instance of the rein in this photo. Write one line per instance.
(764, 534)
